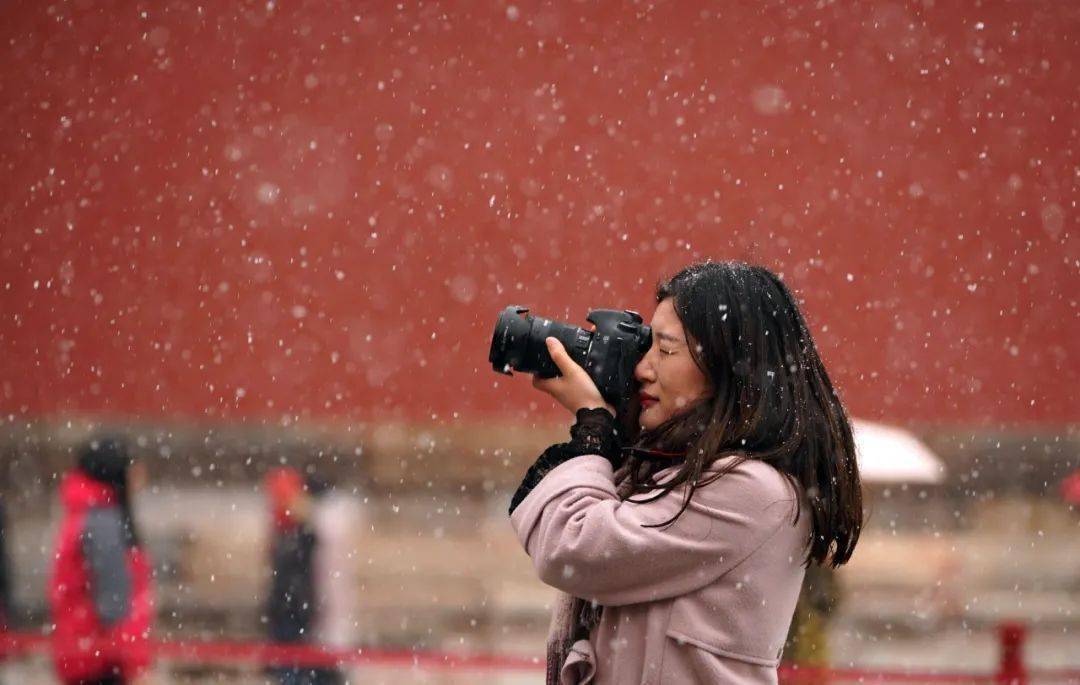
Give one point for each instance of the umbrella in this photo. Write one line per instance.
(888, 454)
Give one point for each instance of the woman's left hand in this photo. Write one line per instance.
(574, 389)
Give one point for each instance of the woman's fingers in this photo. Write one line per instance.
(561, 384)
(573, 389)
(561, 358)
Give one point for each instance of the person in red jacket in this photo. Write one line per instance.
(100, 591)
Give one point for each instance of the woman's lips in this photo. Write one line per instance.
(647, 400)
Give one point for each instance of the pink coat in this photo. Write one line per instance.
(707, 600)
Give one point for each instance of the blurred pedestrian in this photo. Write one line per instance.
(100, 592)
(290, 608)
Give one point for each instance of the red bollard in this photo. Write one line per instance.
(1011, 638)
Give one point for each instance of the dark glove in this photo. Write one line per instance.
(592, 433)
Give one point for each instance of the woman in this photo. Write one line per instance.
(682, 555)
(100, 591)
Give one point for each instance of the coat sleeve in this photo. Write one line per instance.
(106, 556)
(585, 541)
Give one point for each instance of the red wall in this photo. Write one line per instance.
(294, 209)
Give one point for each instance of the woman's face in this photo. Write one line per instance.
(670, 379)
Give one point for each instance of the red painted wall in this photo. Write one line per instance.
(304, 209)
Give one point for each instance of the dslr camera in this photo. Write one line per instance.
(609, 352)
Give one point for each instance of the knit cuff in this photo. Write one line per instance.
(592, 433)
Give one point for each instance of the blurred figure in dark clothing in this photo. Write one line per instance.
(291, 604)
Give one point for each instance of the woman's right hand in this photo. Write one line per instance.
(575, 388)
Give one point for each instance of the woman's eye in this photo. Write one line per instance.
(663, 351)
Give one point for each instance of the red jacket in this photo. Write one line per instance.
(83, 645)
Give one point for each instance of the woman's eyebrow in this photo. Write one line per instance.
(666, 337)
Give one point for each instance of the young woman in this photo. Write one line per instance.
(681, 557)
(100, 592)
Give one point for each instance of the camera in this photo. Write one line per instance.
(608, 353)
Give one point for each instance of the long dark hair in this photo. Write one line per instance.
(107, 461)
(772, 400)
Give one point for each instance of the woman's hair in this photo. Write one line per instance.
(107, 461)
(771, 400)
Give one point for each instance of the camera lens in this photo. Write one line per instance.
(518, 343)
(509, 342)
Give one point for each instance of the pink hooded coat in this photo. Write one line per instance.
(708, 599)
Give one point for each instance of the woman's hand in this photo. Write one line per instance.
(574, 389)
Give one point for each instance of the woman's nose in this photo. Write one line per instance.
(643, 372)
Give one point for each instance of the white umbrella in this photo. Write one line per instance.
(888, 454)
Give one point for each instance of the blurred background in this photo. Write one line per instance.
(254, 235)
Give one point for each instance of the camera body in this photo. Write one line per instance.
(608, 353)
